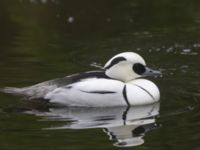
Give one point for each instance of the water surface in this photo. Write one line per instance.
(46, 39)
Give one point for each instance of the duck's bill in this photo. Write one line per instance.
(151, 72)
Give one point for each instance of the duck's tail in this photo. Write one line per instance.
(13, 90)
(26, 92)
(32, 92)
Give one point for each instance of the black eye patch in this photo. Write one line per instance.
(139, 68)
(115, 61)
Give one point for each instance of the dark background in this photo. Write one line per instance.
(45, 39)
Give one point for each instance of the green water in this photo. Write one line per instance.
(46, 39)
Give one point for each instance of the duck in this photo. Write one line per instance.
(119, 83)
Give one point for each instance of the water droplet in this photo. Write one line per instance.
(108, 20)
(194, 53)
(71, 19)
(170, 49)
(138, 49)
(163, 46)
(196, 45)
(44, 1)
(157, 49)
(33, 1)
(131, 20)
(186, 50)
(58, 16)
(184, 66)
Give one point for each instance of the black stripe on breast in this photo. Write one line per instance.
(99, 92)
(125, 95)
(145, 91)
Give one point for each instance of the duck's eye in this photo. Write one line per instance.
(139, 68)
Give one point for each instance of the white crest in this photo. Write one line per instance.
(120, 66)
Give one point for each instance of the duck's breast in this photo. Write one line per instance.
(142, 91)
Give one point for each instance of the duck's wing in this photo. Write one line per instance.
(39, 90)
(77, 77)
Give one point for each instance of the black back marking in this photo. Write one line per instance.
(125, 95)
(139, 68)
(77, 77)
(99, 92)
(115, 61)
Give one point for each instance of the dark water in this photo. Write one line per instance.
(45, 39)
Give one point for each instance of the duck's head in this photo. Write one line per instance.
(128, 66)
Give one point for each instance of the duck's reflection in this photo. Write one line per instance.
(125, 126)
